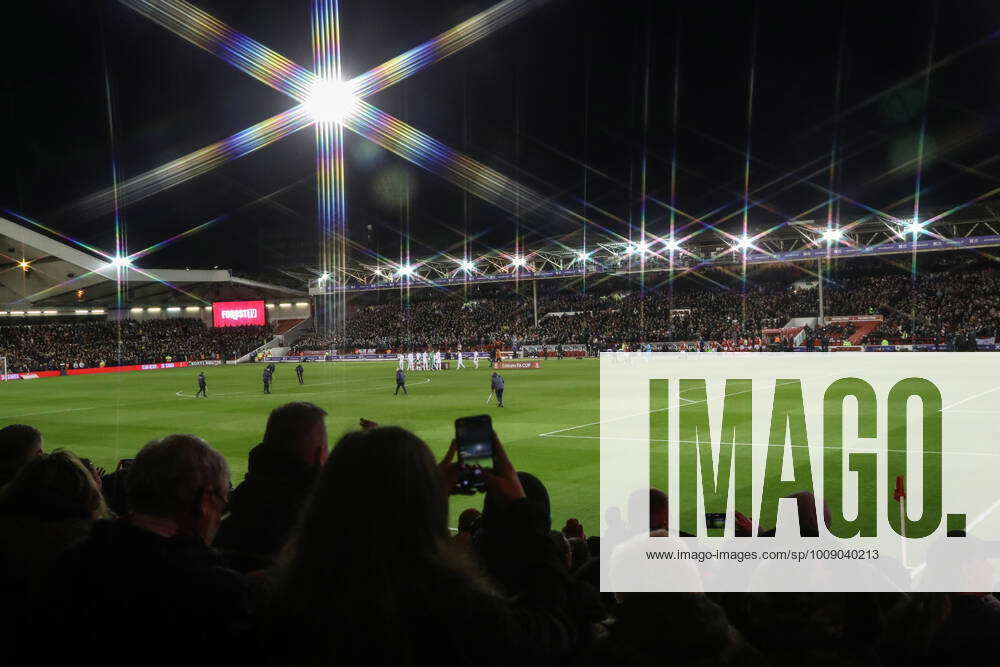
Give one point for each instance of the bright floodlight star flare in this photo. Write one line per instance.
(331, 101)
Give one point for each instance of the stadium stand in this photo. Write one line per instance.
(934, 307)
(98, 343)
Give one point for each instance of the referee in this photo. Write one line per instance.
(496, 383)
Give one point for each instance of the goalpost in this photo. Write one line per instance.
(3, 369)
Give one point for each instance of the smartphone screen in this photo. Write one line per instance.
(474, 438)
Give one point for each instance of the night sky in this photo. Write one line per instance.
(559, 93)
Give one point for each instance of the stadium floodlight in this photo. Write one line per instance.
(121, 262)
(330, 101)
(518, 260)
(672, 244)
(24, 264)
(325, 276)
(832, 235)
(404, 271)
(467, 266)
(583, 255)
(913, 227)
(744, 243)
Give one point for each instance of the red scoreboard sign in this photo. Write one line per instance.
(238, 313)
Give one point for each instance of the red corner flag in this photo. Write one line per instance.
(900, 491)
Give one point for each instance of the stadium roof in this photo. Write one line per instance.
(38, 269)
(693, 245)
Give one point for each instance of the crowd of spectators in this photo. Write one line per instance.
(949, 303)
(304, 563)
(36, 347)
(936, 306)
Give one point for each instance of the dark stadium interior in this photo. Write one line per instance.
(741, 177)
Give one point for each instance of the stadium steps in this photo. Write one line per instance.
(862, 330)
(284, 336)
(285, 325)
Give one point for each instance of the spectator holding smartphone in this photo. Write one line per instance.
(354, 590)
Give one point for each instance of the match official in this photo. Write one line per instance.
(201, 385)
(267, 380)
(496, 383)
(299, 371)
(400, 382)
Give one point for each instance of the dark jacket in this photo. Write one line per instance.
(156, 600)
(497, 382)
(447, 618)
(654, 629)
(400, 377)
(263, 509)
(29, 550)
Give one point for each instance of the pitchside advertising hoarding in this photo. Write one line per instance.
(238, 313)
(818, 472)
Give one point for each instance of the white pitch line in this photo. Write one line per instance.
(49, 412)
(640, 414)
(969, 398)
(552, 434)
(761, 444)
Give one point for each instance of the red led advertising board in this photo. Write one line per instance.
(238, 313)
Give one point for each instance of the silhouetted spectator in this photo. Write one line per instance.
(468, 524)
(655, 629)
(573, 528)
(152, 580)
(281, 473)
(815, 628)
(357, 590)
(49, 506)
(19, 443)
(580, 552)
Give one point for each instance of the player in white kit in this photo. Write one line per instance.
(409, 360)
(475, 359)
(437, 360)
(426, 365)
(460, 364)
(401, 359)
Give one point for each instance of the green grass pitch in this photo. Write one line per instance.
(110, 416)
(107, 417)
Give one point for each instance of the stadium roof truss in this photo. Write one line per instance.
(794, 241)
(39, 270)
